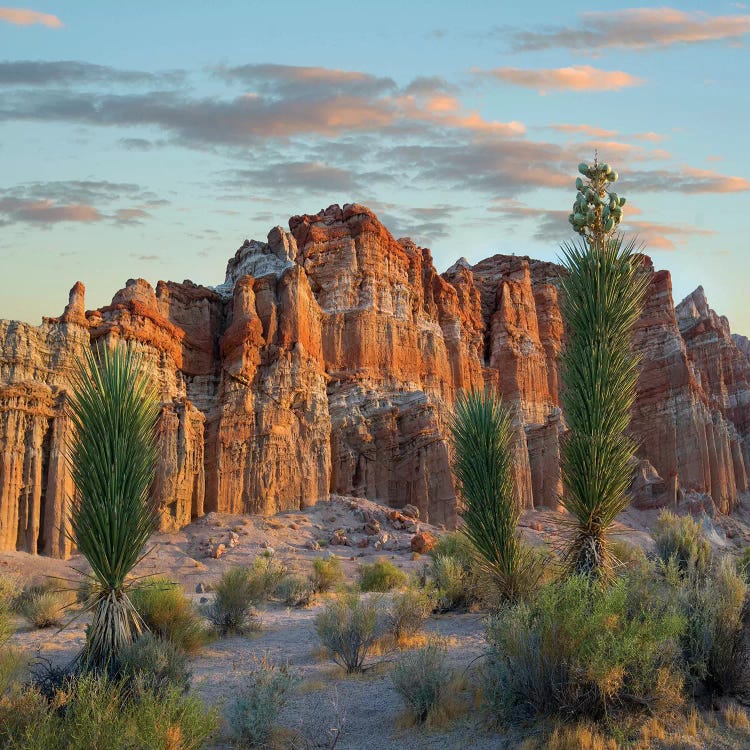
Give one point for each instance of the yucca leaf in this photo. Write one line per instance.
(114, 411)
(601, 300)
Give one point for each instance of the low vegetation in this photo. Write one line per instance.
(408, 611)
(380, 576)
(155, 664)
(348, 629)
(43, 606)
(168, 613)
(252, 715)
(93, 711)
(422, 678)
(681, 538)
(233, 608)
(295, 591)
(326, 574)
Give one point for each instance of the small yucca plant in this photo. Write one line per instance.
(112, 453)
(602, 297)
(482, 436)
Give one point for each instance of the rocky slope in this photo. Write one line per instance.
(328, 362)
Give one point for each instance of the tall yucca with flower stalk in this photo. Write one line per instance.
(602, 298)
(481, 432)
(112, 452)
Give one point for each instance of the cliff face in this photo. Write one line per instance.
(329, 360)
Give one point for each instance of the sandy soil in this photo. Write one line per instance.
(368, 706)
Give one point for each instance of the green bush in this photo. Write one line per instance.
(454, 544)
(409, 610)
(714, 642)
(295, 591)
(327, 573)
(43, 606)
(456, 585)
(236, 594)
(421, 678)
(9, 591)
(382, 575)
(95, 712)
(266, 572)
(155, 664)
(253, 713)
(170, 614)
(682, 538)
(580, 650)
(348, 628)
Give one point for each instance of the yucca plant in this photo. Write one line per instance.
(481, 433)
(112, 455)
(602, 298)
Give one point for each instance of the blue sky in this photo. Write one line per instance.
(150, 139)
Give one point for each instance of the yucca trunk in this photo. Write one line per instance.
(602, 297)
(112, 452)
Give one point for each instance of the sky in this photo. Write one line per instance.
(149, 139)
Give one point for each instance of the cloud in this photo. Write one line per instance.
(136, 144)
(78, 201)
(552, 225)
(42, 73)
(299, 175)
(686, 180)
(15, 210)
(658, 236)
(635, 28)
(423, 224)
(576, 78)
(589, 130)
(26, 17)
(287, 102)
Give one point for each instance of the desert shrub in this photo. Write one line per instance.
(10, 588)
(43, 606)
(456, 584)
(421, 679)
(266, 572)
(348, 628)
(382, 575)
(154, 663)
(95, 712)
(295, 591)
(580, 650)
(236, 594)
(253, 713)
(408, 611)
(715, 638)
(326, 574)
(453, 544)
(170, 614)
(682, 538)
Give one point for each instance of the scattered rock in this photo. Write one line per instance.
(372, 528)
(218, 550)
(200, 588)
(234, 538)
(339, 538)
(423, 542)
(313, 545)
(410, 511)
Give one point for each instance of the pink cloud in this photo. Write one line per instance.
(576, 78)
(589, 130)
(26, 17)
(665, 236)
(637, 28)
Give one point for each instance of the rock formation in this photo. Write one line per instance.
(328, 362)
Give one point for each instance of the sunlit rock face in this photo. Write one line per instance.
(329, 360)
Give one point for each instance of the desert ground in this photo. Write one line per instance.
(365, 710)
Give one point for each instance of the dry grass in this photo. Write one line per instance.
(736, 717)
(456, 703)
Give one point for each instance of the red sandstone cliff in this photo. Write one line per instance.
(328, 361)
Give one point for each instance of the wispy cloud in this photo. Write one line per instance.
(78, 201)
(685, 180)
(62, 72)
(635, 28)
(589, 130)
(576, 78)
(27, 17)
